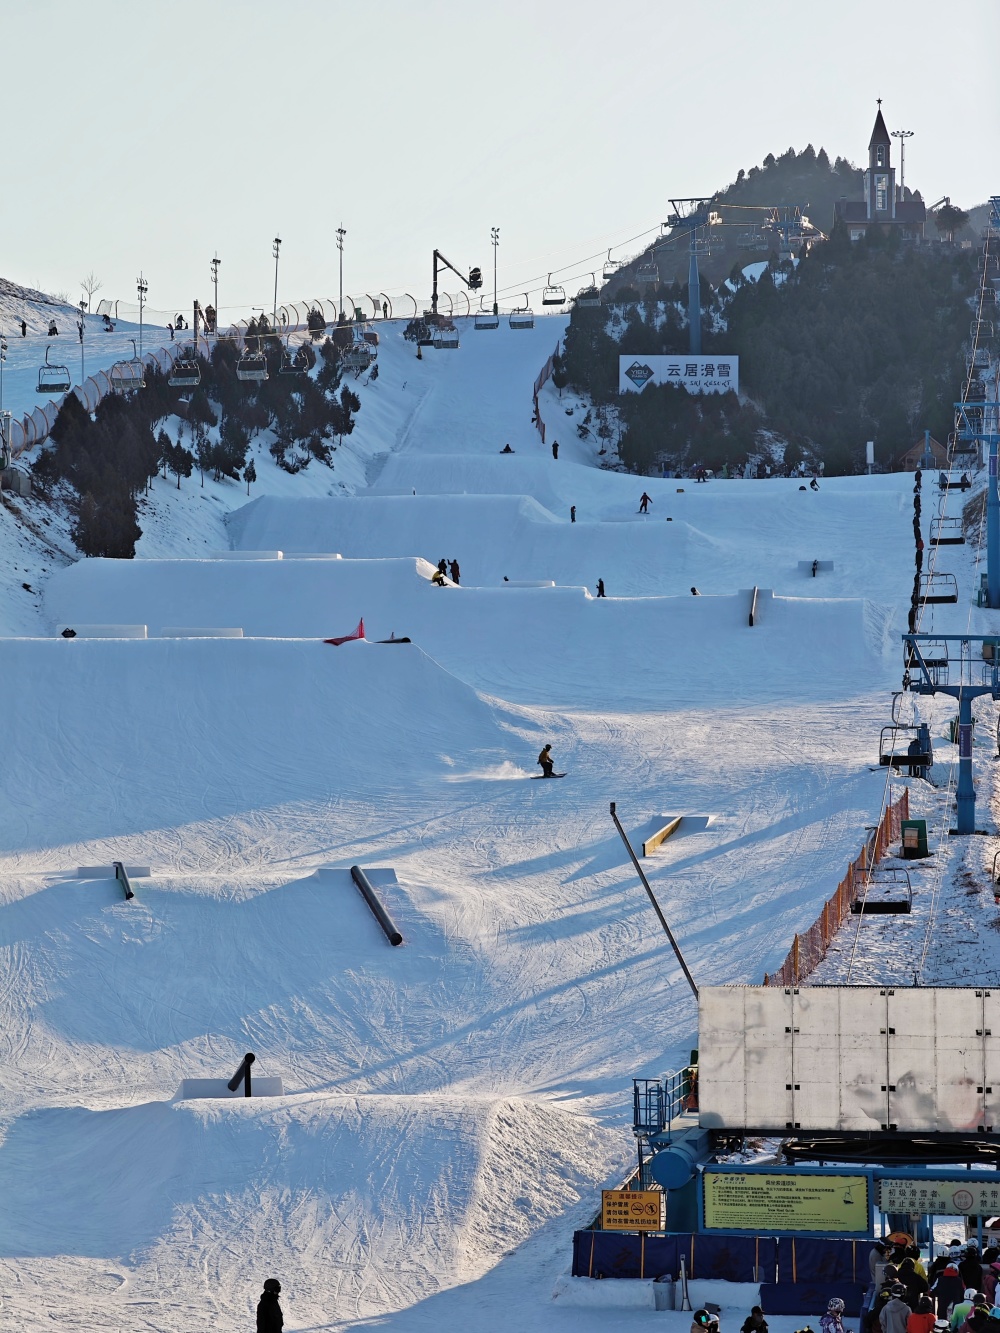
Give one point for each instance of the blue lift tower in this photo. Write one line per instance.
(689, 217)
(963, 666)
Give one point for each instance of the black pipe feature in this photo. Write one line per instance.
(378, 911)
(242, 1075)
(123, 880)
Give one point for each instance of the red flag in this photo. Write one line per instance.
(359, 633)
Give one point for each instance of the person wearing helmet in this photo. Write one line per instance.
(960, 1310)
(548, 767)
(915, 1283)
(703, 1322)
(269, 1316)
(922, 1319)
(833, 1320)
(895, 1312)
(946, 1289)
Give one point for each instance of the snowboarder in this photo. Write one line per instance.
(53, 331)
(439, 579)
(171, 328)
(24, 329)
(547, 762)
(555, 448)
(269, 1316)
(443, 567)
(695, 592)
(506, 449)
(644, 500)
(385, 309)
(833, 1320)
(815, 567)
(455, 571)
(374, 375)
(572, 513)
(600, 587)
(814, 485)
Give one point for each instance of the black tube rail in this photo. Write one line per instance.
(242, 1075)
(378, 911)
(753, 606)
(122, 877)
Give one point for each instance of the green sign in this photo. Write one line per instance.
(774, 1201)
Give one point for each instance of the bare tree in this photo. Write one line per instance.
(90, 285)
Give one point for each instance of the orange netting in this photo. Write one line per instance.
(809, 949)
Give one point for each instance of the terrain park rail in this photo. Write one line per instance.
(393, 935)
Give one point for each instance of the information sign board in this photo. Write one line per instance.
(940, 1195)
(769, 1202)
(696, 374)
(632, 1210)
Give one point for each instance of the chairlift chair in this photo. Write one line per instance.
(936, 589)
(252, 367)
(446, 338)
(648, 272)
(359, 356)
(292, 365)
(486, 319)
(883, 891)
(900, 746)
(127, 376)
(946, 532)
(185, 373)
(981, 328)
(589, 297)
(610, 268)
(53, 378)
(522, 316)
(553, 294)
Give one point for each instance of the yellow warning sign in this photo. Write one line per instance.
(632, 1210)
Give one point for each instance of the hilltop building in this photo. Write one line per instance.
(883, 205)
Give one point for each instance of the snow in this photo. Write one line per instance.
(452, 1107)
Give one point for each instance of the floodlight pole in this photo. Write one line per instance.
(142, 287)
(215, 283)
(341, 233)
(275, 249)
(495, 240)
(902, 136)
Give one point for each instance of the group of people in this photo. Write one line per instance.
(446, 568)
(960, 1286)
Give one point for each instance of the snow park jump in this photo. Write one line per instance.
(304, 985)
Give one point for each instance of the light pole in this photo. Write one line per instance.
(275, 250)
(215, 283)
(142, 287)
(341, 233)
(495, 241)
(902, 136)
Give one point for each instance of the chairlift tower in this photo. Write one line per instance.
(473, 281)
(687, 216)
(142, 286)
(930, 661)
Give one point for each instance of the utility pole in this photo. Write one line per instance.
(215, 283)
(495, 240)
(341, 233)
(902, 136)
(274, 250)
(142, 287)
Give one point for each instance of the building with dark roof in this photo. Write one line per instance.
(882, 205)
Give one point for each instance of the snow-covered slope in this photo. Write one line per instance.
(454, 1105)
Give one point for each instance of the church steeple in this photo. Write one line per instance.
(880, 178)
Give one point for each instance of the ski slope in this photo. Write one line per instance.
(453, 1106)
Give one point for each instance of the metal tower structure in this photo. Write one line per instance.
(688, 216)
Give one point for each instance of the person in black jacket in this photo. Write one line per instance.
(755, 1321)
(269, 1316)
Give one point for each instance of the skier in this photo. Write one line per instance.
(443, 567)
(815, 567)
(695, 592)
(600, 587)
(546, 761)
(455, 571)
(24, 329)
(833, 1320)
(572, 513)
(555, 448)
(814, 485)
(171, 328)
(644, 500)
(385, 309)
(374, 375)
(269, 1316)
(53, 331)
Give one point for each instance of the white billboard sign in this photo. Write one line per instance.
(696, 374)
(846, 1058)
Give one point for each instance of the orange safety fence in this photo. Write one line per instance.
(809, 949)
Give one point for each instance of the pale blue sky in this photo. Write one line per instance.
(148, 136)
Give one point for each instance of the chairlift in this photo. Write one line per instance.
(589, 297)
(648, 272)
(359, 356)
(902, 745)
(185, 373)
(610, 268)
(486, 319)
(252, 367)
(936, 589)
(883, 891)
(292, 364)
(946, 532)
(981, 328)
(522, 316)
(446, 338)
(553, 294)
(127, 376)
(53, 378)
